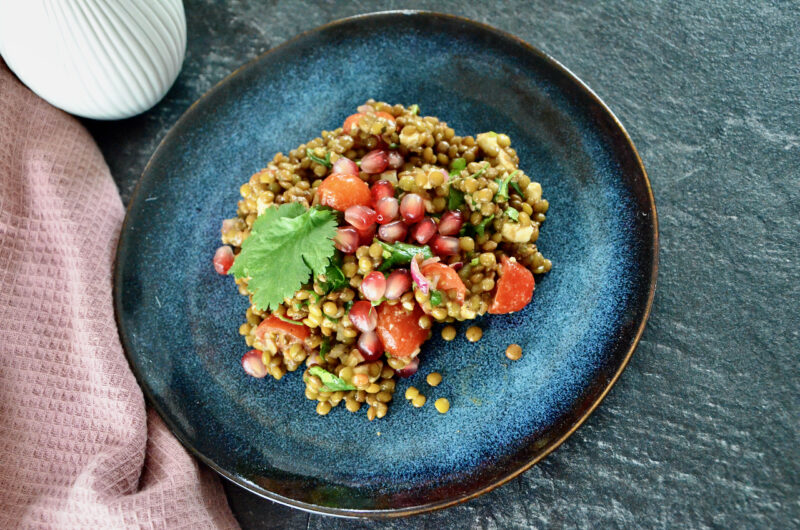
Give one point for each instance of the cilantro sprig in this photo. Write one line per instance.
(401, 254)
(502, 187)
(287, 246)
(331, 382)
(324, 161)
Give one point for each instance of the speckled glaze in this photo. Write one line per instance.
(179, 320)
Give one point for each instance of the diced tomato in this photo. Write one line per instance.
(341, 191)
(399, 329)
(514, 288)
(448, 279)
(351, 122)
(298, 332)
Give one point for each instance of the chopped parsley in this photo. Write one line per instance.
(334, 278)
(480, 228)
(401, 254)
(330, 382)
(455, 198)
(481, 171)
(436, 297)
(458, 165)
(513, 213)
(324, 348)
(324, 161)
(502, 190)
(517, 189)
(287, 247)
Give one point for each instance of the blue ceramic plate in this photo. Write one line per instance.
(179, 320)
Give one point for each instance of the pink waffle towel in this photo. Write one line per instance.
(78, 448)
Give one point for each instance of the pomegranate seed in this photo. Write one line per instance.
(253, 364)
(381, 189)
(393, 232)
(423, 231)
(411, 208)
(387, 210)
(370, 346)
(366, 236)
(223, 259)
(361, 217)
(409, 369)
(346, 166)
(445, 245)
(397, 284)
(346, 240)
(363, 316)
(373, 286)
(451, 223)
(395, 160)
(376, 161)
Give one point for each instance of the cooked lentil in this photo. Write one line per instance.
(434, 378)
(514, 352)
(477, 177)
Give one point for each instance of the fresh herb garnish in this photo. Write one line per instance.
(458, 165)
(517, 189)
(393, 145)
(436, 297)
(480, 228)
(414, 109)
(513, 213)
(348, 306)
(502, 187)
(331, 319)
(481, 171)
(289, 320)
(455, 198)
(324, 348)
(334, 278)
(287, 246)
(474, 261)
(401, 254)
(331, 382)
(324, 161)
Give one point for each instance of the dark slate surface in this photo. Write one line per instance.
(702, 429)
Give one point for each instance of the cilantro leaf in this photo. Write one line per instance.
(455, 198)
(324, 161)
(517, 189)
(481, 227)
(334, 278)
(401, 254)
(481, 171)
(502, 190)
(324, 348)
(436, 297)
(414, 109)
(330, 381)
(513, 213)
(458, 165)
(285, 247)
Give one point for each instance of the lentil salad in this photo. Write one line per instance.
(389, 223)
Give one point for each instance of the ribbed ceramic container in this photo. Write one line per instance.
(102, 59)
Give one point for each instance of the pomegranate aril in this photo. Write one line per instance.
(395, 160)
(386, 210)
(451, 223)
(361, 217)
(346, 166)
(370, 346)
(411, 208)
(346, 240)
(373, 286)
(381, 189)
(393, 232)
(223, 259)
(376, 161)
(366, 236)
(253, 364)
(363, 316)
(444, 245)
(423, 231)
(409, 369)
(397, 284)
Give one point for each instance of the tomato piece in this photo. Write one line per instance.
(514, 288)
(448, 279)
(351, 122)
(341, 191)
(296, 332)
(399, 329)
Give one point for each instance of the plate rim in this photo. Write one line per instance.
(391, 513)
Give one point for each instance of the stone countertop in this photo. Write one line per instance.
(702, 428)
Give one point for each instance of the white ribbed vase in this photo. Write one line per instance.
(102, 59)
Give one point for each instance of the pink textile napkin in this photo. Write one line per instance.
(78, 448)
